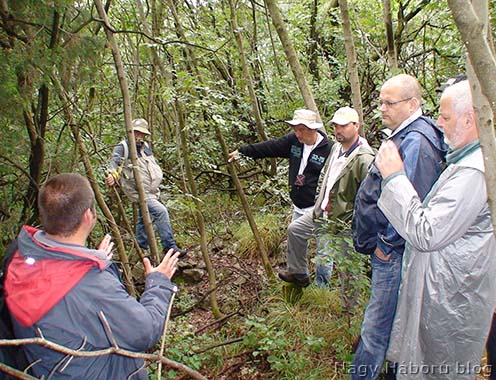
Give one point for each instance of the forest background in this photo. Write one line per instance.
(210, 76)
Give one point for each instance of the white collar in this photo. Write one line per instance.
(407, 121)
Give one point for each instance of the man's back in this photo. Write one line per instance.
(61, 293)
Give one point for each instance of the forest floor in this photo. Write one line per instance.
(240, 282)
(223, 348)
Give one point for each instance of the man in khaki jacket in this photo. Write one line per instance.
(346, 167)
(151, 175)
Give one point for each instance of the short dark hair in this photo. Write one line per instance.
(62, 202)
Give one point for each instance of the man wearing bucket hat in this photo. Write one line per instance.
(307, 148)
(346, 167)
(151, 175)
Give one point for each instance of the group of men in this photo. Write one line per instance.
(420, 211)
(421, 214)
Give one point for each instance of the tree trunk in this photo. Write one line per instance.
(272, 44)
(246, 207)
(129, 131)
(392, 60)
(127, 276)
(255, 105)
(292, 57)
(351, 60)
(482, 61)
(313, 65)
(200, 221)
(36, 121)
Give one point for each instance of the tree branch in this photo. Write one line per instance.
(109, 351)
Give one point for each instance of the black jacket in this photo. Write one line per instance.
(288, 146)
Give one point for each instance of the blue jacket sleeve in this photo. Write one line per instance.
(136, 326)
(422, 169)
(117, 157)
(280, 147)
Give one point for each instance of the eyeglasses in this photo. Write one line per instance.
(387, 103)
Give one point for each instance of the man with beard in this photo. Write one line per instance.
(346, 167)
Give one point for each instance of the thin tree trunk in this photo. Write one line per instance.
(292, 57)
(36, 123)
(485, 115)
(36, 126)
(351, 60)
(246, 207)
(260, 244)
(200, 222)
(313, 65)
(127, 276)
(392, 60)
(129, 131)
(473, 31)
(272, 44)
(255, 105)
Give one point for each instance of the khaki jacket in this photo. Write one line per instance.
(342, 194)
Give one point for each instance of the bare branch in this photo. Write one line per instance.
(109, 351)
(157, 40)
(14, 372)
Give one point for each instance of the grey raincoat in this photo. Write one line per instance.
(448, 289)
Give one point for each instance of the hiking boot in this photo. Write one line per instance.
(182, 252)
(302, 280)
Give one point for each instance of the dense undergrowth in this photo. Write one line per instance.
(271, 330)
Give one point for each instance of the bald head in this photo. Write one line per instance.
(399, 98)
(408, 86)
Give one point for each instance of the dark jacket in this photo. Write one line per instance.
(60, 292)
(288, 146)
(423, 151)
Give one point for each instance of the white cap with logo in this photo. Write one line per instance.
(345, 115)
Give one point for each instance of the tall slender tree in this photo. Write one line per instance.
(472, 21)
(351, 59)
(292, 57)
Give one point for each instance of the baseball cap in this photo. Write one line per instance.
(345, 115)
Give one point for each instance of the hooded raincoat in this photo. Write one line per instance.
(448, 289)
(63, 291)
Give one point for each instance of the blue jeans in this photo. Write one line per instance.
(378, 318)
(160, 219)
(324, 262)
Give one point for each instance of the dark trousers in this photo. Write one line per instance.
(491, 349)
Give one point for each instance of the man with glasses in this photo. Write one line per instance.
(420, 144)
(448, 288)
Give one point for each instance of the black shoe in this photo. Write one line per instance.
(302, 280)
(182, 252)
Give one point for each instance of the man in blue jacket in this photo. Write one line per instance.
(422, 149)
(306, 148)
(59, 289)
